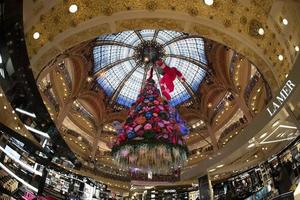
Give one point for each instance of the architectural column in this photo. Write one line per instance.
(96, 141)
(212, 137)
(63, 113)
(242, 105)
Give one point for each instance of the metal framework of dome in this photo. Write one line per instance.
(120, 66)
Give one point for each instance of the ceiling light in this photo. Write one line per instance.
(1, 95)
(263, 135)
(280, 57)
(297, 48)
(275, 123)
(209, 105)
(251, 145)
(209, 2)
(212, 170)
(73, 8)
(36, 35)
(261, 31)
(255, 156)
(219, 166)
(285, 21)
(1, 59)
(4, 107)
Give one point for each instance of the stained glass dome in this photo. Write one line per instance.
(120, 66)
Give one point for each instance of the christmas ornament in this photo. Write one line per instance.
(150, 140)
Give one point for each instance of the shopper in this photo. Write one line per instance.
(284, 180)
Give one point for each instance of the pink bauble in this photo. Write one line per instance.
(148, 126)
(166, 122)
(179, 141)
(160, 124)
(161, 107)
(156, 110)
(146, 108)
(156, 102)
(138, 127)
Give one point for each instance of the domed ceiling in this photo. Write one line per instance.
(92, 84)
(226, 99)
(122, 60)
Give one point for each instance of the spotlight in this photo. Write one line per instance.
(280, 57)
(36, 35)
(73, 8)
(285, 21)
(297, 48)
(209, 2)
(146, 59)
(261, 31)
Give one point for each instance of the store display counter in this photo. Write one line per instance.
(297, 192)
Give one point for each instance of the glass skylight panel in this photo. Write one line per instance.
(107, 54)
(165, 36)
(131, 88)
(119, 37)
(190, 47)
(114, 76)
(179, 94)
(147, 34)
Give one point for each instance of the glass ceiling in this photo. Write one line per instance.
(121, 76)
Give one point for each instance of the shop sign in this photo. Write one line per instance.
(281, 98)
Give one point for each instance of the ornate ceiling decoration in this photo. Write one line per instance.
(230, 23)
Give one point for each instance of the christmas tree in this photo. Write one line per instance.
(153, 135)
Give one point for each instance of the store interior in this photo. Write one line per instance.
(149, 99)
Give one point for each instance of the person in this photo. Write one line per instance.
(169, 75)
(284, 180)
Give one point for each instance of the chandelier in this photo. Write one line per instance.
(152, 139)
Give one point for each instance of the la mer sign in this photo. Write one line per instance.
(280, 99)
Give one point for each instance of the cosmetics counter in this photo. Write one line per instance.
(19, 169)
(184, 193)
(61, 184)
(251, 184)
(27, 172)
(276, 178)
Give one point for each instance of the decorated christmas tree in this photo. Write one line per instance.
(153, 136)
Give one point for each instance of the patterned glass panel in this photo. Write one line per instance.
(147, 34)
(131, 88)
(190, 47)
(110, 80)
(107, 54)
(165, 36)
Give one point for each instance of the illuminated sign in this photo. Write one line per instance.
(280, 99)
